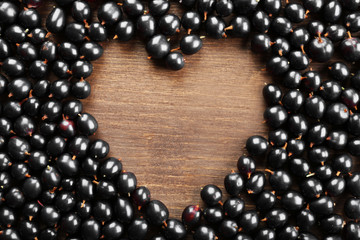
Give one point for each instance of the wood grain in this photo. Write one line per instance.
(178, 130)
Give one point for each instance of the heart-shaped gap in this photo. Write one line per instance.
(178, 131)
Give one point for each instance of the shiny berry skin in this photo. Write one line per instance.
(213, 215)
(214, 26)
(353, 184)
(330, 90)
(272, 7)
(48, 51)
(256, 145)
(97, 32)
(133, 8)
(352, 208)
(91, 51)
(72, 109)
(299, 167)
(60, 69)
(315, 106)
(295, 12)
(8, 12)
(18, 148)
(80, 11)
(87, 124)
(169, 24)
(295, 147)
(249, 221)
(174, 229)
(81, 69)
(109, 13)
(322, 206)
(56, 20)
(15, 34)
(158, 46)
(281, 26)
(318, 154)
(224, 8)
(260, 43)
(288, 232)
(126, 182)
(99, 149)
(332, 11)
(156, 212)
(110, 168)
(353, 146)
(299, 37)
(280, 181)
(233, 207)
(277, 157)
(316, 28)
(293, 100)
(240, 26)
(298, 60)
(141, 196)
(211, 195)
(175, 61)
(49, 216)
(278, 137)
(84, 189)
(190, 44)
(265, 201)
(29, 18)
(272, 94)
(191, 216)
(159, 7)
(124, 30)
(255, 184)
(352, 230)
(350, 49)
(90, 229)
(277, 65)
(138, 229)
(261, 21)
(81, 89)
(305, 219)
(350, 97)
(27, 52)
(13, 67)
(204, 233)
(31, 188)
(321, 49)
(275, 116)
(68, 51)
(332, 224)
(280, 46)
(339, 71)
(37, 36)
(233, 183)
(228, 228)
(292, 201)
(337, 114)
(145, 26)
(246, 166)
(112, 230)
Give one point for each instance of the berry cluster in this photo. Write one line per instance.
(57, 182)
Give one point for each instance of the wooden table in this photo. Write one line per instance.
(178, 131)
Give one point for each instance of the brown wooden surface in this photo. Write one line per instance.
(178, 130)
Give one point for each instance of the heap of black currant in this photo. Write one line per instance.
(57, 182)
